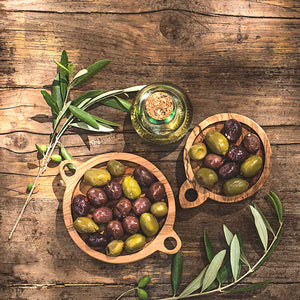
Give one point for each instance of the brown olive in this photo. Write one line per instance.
(131, 224)
(113, 190)
(251, 142)
(229, 170)
(97, 240)
(96, 196)
(80, 206)
(122, 208)
(141, 205)
(102, 215)
(237, 153)
(143, 176)
(114, 229)
(213, 161)
(156, 191)
(232, 130)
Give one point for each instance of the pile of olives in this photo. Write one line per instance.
(228, 161)
(119, 212)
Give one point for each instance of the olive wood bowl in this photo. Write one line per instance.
(74, 186)
(216, 122)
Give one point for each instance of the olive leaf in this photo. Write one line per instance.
(243, 257)
(64, 74)
(79, 74)
(71, 69)
(91, 71)
(49, 100)
(103, 121)
(85, 126)
(90, 94)
(194, 285)
(228, 234)
(55, 92)
(61, 114)
(176, 271)
(120, 104)
(235, 253)
(224, 272)
(84, 116)
(260, 226)
(270, 250)
(134, 88)
(248, 288)
(213, 269)
(208, 247)
(61, 66)
(264, 219)
(277, 205)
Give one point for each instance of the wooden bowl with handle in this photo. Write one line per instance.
(216, 122)
(74, 186)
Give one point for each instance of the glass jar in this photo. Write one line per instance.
(161, 113)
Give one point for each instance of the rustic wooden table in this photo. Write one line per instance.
(230, 56)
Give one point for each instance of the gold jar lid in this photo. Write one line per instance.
(161, 113)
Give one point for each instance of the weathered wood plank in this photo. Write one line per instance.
(265, 8)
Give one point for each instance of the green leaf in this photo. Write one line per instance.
(64, 74)
(176, 271)
(103, 121)
(248, 288)
(92, 70)
(260, 226)
(49, 100)
(90, 94)
(270, 251)
(212, 270)
(126, 104)
(55, 92)
(61, 114)
(134, 88)
(71, 69)
(84, 126)
(235, 253)
(194, 285)
(243, 257)
(264, 219)
(277, 204)
(210, 253)
(117, 104)
(84, 116)
(61, 66)
(79, 74)
(224, 272)
(228, 234)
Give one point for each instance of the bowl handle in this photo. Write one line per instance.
(62, 173)
(173, 235)
(184, 203)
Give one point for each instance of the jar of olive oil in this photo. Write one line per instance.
(161, 113)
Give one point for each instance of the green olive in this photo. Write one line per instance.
(85, 225)
(235, 186)
(217, 142)
(115, 168)
(206, 177)
(142, 294)
(56, 158)
(135, 243)
(115, 248)
(198, 151)
(251, 166)
(97, 177)
(131, 188)
(149, 224)
(159, 209)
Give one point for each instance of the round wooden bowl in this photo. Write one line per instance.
(131, 161)
(216, 122)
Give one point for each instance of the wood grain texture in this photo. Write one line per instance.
(237, 56)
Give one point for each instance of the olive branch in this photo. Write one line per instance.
(217, 275)
(68, 113)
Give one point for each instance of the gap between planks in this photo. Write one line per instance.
(214, 15)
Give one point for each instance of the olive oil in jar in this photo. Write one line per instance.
(161, 113)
